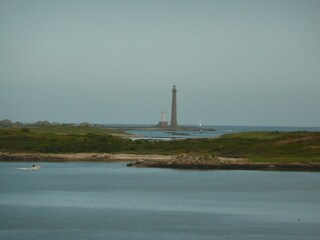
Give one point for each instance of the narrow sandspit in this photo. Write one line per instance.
(79, 157)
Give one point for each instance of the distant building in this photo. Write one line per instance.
(163, 122)
(6, 123)
(174, 122)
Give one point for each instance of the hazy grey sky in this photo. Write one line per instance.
(233, 62)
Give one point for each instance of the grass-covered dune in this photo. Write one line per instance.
(61, 139)
(274, 147)
(283, 147)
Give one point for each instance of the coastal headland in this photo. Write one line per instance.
(246, 151)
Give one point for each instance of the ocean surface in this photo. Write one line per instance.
(110, 201)
(202, 133)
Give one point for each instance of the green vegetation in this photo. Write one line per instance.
(278, 147)
(284, 147)
(70, 129)
(60, 139)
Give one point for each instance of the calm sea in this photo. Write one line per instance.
(203, 133)
(110, 201)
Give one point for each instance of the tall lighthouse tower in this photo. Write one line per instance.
(174, 123)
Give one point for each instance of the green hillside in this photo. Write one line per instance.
(283, 147)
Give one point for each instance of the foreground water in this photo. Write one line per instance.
(110, 201)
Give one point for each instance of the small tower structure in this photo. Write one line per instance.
(163, 123)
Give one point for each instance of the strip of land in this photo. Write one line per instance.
(183, 161)
(223, 163)
(249, 151)
(80, 157)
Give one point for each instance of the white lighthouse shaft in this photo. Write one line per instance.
(163, 116)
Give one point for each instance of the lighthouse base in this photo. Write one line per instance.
(162, 124)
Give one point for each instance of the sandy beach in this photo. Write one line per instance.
(80, 157)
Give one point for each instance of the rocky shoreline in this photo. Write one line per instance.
(183, 161)
(186, 162)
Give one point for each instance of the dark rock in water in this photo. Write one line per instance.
(131, 164)
(180, 133)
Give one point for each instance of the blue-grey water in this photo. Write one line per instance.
(203, 133)
(110, 201)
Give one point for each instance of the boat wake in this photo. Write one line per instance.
(29, 168)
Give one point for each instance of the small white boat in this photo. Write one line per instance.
(35, 167)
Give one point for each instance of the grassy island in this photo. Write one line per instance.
(255, 147)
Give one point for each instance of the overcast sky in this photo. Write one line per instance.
(233, 62)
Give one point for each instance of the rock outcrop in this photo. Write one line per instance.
(189, 161)
(207, 162)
